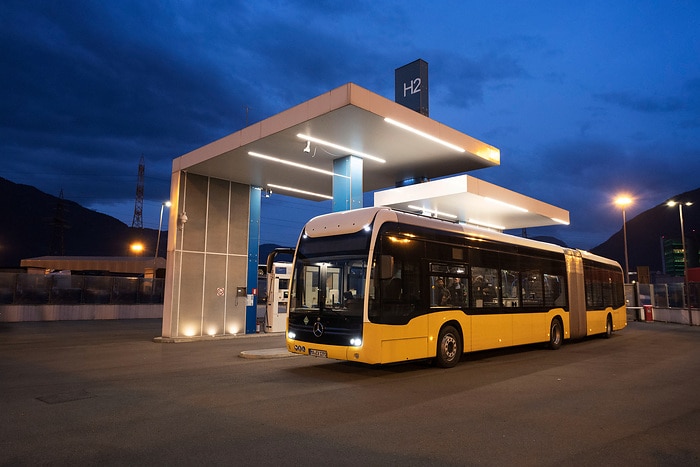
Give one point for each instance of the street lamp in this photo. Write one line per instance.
(685, 257)
(166, 204)
(623, 201)
(136, 248)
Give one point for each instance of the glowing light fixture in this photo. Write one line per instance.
(293, 164)
(559, 221)
(433, 211)
(623, 201)
(296, 190)
(423, 134)
(137, 248)
(486, 224)
(503, 203)
(341, 148)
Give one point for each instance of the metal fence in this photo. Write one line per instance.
(663, 295)
(39, 289)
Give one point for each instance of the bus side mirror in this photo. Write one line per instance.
(386, 266)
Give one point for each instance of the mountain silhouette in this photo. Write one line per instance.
(39, 224)
(646, 231)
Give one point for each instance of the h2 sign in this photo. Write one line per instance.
(411, 86)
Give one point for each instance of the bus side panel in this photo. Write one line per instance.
(527, 328)
(596, 321)
(492, 331)
(437, 319)
(620, 318)
(577, 296)
(394, 343)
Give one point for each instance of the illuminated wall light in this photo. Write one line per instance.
(189, 331)
(560, 221)
(340, 148)
(293, 164)
(486, 224)
(212, 332)
(234, 329)
(424, 135)
(433, 211)
(296, 190)
(503, 203)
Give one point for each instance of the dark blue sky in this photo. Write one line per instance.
(584, 99)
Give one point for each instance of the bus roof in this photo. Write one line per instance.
(346, 222)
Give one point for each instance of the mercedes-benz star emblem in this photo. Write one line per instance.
(318, 329)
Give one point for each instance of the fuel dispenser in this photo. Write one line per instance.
(278, 278)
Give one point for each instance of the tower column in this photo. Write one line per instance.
(347, 183)
(253, 260)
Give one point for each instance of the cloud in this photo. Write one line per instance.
(640, 103)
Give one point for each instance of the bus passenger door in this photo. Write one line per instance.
(577, 294)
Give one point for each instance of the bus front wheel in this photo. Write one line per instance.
(449, 347)
(556, 334)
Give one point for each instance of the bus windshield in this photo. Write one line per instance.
(330, 281)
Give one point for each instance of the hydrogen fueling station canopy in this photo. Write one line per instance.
(408, 159)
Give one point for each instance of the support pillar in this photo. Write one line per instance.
(251, 310)
(347, 183)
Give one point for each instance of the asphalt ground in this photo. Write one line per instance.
(102, 392)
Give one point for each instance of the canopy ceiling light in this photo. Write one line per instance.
(293, 164)
(296, 190)
(503, 203)
(479, 223)
(433, 211)
(424, 135)
(345, 149)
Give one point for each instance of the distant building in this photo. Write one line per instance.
(673, 255)
(96, 265)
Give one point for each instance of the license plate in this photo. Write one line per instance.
(318, 353)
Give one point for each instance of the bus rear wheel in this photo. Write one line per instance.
(449, 347)
(608, 327)
(556, 334)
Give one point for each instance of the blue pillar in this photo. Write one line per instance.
(253, 247)
(347, 183)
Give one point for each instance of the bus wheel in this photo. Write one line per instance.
(608, 327)
(556, 334)
(449, 347)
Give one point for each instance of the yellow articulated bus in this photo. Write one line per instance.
(376, 285)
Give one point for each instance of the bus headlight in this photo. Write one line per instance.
(291, 335)
(356, 342)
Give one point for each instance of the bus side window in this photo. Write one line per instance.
(554, 291)
(485, 287)
(439, 294)
(458, 291)
(532, 288)
(510, 283)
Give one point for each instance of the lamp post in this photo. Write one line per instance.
(685, 256)
(160, 226)
(623, 201)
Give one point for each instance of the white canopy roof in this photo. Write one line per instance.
(295, 149)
